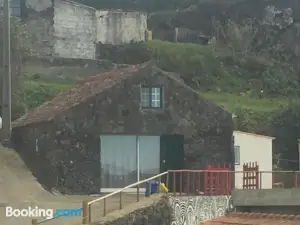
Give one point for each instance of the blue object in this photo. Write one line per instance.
(151, 188)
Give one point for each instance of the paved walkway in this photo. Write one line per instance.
(112, 204)
(19, 189)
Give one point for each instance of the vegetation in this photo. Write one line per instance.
(145, 5)
(252, 114)
(35, 93)
(235, 82)
(214, 68)
(255, 87)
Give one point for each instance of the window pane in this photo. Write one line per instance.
(237, 154)
(145, 97)
(118, 161)
(149, 154)
(155, 94)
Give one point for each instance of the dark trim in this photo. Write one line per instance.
(150, 96)
(239, 150)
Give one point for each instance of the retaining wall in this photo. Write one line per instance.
(267, 197)
(192, 210)
(163, 210)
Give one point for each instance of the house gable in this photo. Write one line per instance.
(69, 147)
(78, 94)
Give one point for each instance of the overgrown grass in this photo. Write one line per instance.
(216, 68)
(34, 93)
(252, 114)
(212, 67)
(37, 92)
(234, 103)
(231, 80)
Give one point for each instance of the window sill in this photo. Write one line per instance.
(157, 110)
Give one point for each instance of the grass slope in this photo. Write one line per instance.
(213, 68)
(232, 80)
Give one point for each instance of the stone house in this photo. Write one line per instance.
(119, 127)
(63, 28)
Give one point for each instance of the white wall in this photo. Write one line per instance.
(74, 30)
(117, 27)
(254, 148)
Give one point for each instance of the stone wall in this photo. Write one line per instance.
(69, 29)
(74, 30)
(61, 28)
(165, 210)
(191, 210)
(116, 27)
(68, 148)
(151, 211)
(39, 20)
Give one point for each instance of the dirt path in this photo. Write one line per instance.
(19, 189)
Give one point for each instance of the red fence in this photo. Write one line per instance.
(218, 180)
(221, 179)
(214, 180)
(251, 176)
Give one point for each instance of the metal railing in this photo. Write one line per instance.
(198, 182)
(87, 205)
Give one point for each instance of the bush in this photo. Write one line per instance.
(286, 128)
(33, 94)
(213, 68)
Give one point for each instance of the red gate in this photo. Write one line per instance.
(250, 176)
(218, 180)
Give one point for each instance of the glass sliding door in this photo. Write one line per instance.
(122, 155)
(118, 162)
(149, 156)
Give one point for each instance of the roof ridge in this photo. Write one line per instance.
(79, 93)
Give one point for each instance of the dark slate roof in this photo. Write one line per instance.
(78, 94)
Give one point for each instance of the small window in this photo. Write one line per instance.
(237, 155)
(151, 97)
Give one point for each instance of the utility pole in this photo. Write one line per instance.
(6, 77)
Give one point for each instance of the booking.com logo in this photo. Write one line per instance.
(46, 213)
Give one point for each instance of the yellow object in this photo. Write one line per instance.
(163, 188)
(148, 35)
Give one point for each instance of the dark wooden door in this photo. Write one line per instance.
(171, 157)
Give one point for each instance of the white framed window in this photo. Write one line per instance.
(237, 155)
(151, 97)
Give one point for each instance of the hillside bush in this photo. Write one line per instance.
(286, 128)
(213, 68)
(34, 93)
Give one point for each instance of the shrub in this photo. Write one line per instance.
(213, 68)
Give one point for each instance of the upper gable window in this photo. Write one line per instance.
(151, 97)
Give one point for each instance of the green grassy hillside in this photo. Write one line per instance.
(213, 68)
(231, 80)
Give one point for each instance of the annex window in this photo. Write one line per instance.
(151, 97)
(237, 155)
